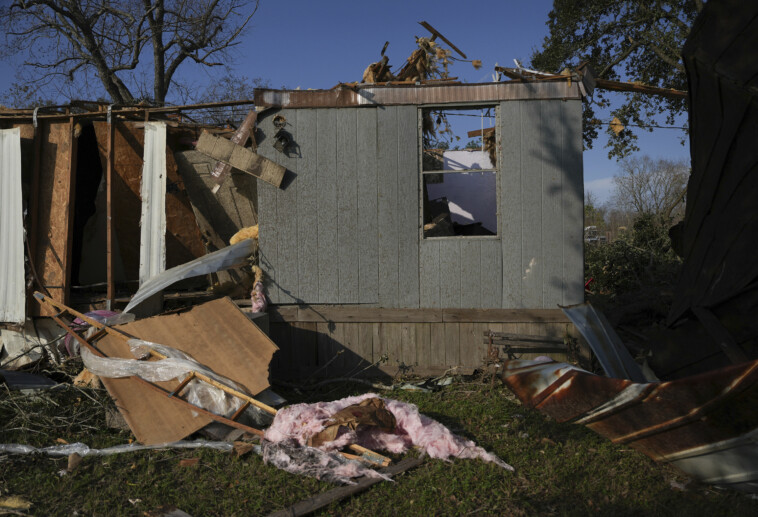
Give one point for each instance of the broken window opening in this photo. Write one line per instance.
(459, 171)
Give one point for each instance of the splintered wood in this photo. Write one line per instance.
(241, 158)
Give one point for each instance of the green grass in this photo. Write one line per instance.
(561, 469)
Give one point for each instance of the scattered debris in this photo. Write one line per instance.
(26, 381)
(83, 450)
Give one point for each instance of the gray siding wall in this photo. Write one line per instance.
(542, 203)
(537, 261)
(345, 229)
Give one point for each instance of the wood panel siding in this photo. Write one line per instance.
(357, 213)
(386, 349)
(350, 198)
(537, 259)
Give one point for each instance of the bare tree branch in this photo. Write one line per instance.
(107, 39)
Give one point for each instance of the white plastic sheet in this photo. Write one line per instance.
(84, 450)
(177, 365)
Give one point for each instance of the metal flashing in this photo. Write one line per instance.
(12, 288)
(152, 254)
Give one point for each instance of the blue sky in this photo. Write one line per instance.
(316, 44)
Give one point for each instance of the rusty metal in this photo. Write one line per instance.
(375, 95)
(705, 425)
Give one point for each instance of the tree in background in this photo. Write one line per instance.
(652, 187)
(648, 198)
(622, 39)
(132, 48)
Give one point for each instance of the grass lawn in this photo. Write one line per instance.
(561, 469)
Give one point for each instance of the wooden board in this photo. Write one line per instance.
(52, 248)
(232, 208)
(240, 158)
(216, 334)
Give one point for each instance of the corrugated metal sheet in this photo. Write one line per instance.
(609, 350)
(705, 425)
(152, 258)
(12, 295)
(398, 95)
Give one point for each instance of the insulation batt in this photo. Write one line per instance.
(300, 421)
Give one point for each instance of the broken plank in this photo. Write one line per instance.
(241, 158)
(319, 501)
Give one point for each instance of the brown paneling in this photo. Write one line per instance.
(424, 348)
(183, 239)
(55, 189)
(504, 315)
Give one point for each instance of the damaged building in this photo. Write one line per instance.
(364, 256)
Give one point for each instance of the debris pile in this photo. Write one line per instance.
(375, 423)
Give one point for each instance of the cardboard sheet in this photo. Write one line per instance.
(216, 334)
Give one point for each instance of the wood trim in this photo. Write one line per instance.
(355, 314)
(73, 143)
(505, 315)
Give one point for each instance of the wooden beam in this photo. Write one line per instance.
(478, 132)
(73, 148)
(34, 213)
(640, 88)
(111, 287)
(241, 158)
(436, 34)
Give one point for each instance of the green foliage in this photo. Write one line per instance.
(622, 40)
(642, 257)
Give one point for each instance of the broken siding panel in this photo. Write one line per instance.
(387, 154)
(471, 286)
(573, 204)
(429, 272)
(450, 273)
(532, 149)
(407, 207)
(153, 193)
(347, 206)
(511, 204)
(368, 242)
(491, 274)
(12, 285)
(307, 206)
(552, 129)
(287, 221)
(326, 194)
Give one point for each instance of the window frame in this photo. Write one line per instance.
(422, 172)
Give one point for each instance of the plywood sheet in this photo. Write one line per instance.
(51, 248)
(183, 239)
(218, 335)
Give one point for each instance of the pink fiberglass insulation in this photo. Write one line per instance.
(301, 421)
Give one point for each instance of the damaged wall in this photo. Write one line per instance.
(183, 240)
(345, 227)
